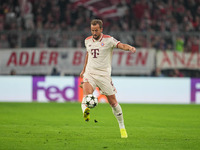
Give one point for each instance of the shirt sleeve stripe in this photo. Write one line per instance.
(117, 44)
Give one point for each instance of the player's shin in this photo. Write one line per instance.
(86, 110)
(117, 111)
(83, 104)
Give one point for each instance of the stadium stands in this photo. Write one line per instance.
(163, 25)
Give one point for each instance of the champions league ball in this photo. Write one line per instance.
(91, 101)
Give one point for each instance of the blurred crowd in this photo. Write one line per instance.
(160, 24)
(179, 73)
(147, 23)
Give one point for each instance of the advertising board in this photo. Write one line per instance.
(129, 89)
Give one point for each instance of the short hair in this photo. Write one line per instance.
(97, 21)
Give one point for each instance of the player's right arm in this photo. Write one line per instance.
(84, 67)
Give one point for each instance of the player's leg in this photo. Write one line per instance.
(88, 88)
(108, 89)
(117, 111)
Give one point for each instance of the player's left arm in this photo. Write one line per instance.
(126, 47)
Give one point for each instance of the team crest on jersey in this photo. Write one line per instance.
(102, 44)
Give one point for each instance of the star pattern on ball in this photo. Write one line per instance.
(92, 97)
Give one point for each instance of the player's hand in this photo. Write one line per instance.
(132, 49)
(81, 74)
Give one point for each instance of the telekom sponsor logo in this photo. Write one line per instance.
(54, 92)
(95, 52)
(195, 89)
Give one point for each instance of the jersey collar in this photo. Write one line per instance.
(99, 40)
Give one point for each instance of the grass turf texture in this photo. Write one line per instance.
(59, 126)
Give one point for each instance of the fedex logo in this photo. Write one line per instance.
(54, 89)
(195, 90)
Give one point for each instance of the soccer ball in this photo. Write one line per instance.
(91, 101)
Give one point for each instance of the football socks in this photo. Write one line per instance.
(117, 111)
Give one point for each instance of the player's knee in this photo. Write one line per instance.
(113, 104)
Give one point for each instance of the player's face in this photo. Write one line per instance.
(96, 31)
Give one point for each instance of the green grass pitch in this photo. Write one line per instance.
(60, 126)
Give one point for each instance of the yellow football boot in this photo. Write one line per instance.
(86, 114)
(123, 133)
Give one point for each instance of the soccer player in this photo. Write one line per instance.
(97, 70)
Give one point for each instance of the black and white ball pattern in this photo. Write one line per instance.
(91, 101)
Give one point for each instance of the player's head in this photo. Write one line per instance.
(96, 28)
